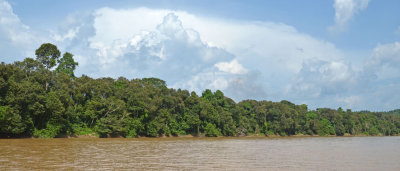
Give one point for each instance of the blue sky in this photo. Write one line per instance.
(339, 53)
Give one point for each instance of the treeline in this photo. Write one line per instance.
(36, 100)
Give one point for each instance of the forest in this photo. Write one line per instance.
(43, 98)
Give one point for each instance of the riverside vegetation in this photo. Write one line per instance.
(39, 101)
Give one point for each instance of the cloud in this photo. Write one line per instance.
(245, 59)
(73, 35)
(231, 67)
(16, 39)
(248, 86)
(324, 77)
(262, 40)
(183, 48)
(344, 13)
(266, 42)
(168, 51)
(335, 83)
(384, 63)
(325, 83)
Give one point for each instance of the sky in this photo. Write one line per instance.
(333, 53)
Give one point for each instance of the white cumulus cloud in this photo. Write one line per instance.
(344, 13)
(233, 67)
(17, 41)
(335, 83)
(245, 59)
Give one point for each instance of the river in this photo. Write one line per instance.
(243, 153)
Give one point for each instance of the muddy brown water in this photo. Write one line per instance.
(308, 153)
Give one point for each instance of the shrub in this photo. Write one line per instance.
(211, 130)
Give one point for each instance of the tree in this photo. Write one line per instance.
(54, 107)
(157, 83)
(325, 128)
(207, 94)
(11, 122)
(211, 130)
(67, 64)
(147, 107)
(47, 54)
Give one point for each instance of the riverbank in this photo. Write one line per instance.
(196, 136)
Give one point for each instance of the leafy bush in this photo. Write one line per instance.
(49, 132)
(211, 130)
(325, 128)
(82, 130)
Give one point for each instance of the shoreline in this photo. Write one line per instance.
(91, 136)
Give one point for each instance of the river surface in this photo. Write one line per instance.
(244, 153)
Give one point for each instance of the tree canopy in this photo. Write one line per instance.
(47, 54)
(35, 101)
(67, 64)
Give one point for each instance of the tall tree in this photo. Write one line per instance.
(67, 64)
(47, 54)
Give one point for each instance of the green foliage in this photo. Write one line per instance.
(373, 131)
(47, 54)
(35, 101)
(269, 133)
(211, 130)
(54, 106)
(175, 128)
(325, 128)
(152, 130)
(67, 64)
(157, 83)
(50, 131)
(79, 129)
(131, 134)
(11, 121)
(133, 127)
(207, 94)
(112, 123)
(311, 116)
(283, 133)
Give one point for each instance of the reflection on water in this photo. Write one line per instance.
(330, 153)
